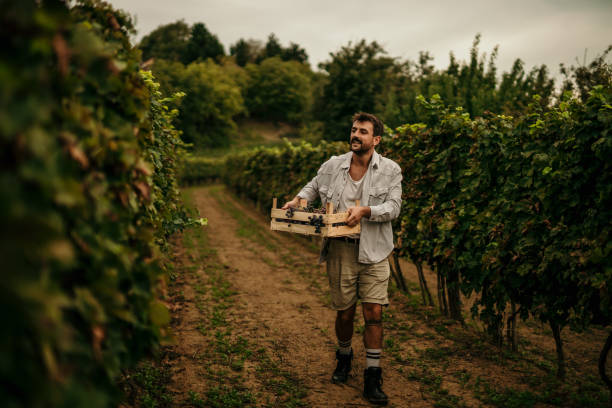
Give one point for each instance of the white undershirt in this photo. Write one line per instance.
(352, 192)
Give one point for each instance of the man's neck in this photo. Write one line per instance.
(362, 160)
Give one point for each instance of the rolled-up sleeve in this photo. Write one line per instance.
(390, 208)
(311, 190)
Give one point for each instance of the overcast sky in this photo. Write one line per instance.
(537, 31)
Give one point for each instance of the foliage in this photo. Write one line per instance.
(519, 209)
(167, 41)
(583, 78)
(252, 51)
(473, 84)
(213, 100)
(277, 90)
(202, 45)
(356, 76)
(264, 173)
(245, 51)
(88, 195)
(199, 169)
(294, 53)
(179, 42)
(516, 210)
(271, 49)
(165, 151)
(361, 77)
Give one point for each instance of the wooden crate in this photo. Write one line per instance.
(301, 222)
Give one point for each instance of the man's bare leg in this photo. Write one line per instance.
(372, 339)
(344, 354)
(372, 316)
(344, 323)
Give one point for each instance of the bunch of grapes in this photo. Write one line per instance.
(317, 221)
(314, 220)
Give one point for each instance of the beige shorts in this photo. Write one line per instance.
(350, 280)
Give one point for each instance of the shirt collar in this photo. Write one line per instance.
(373, 162)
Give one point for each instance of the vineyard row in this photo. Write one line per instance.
(514, 211)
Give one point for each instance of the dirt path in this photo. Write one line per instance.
(281, 303)
(253, 327)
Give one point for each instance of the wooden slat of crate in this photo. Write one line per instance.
(334, 218)
(297, 228)
(297, 215)
(310, 229)
(343, 230)
(303, 216)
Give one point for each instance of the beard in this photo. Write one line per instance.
(359, 149)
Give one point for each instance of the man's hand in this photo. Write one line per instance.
(355, 215)
(293, 203)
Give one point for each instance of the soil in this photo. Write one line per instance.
(281, 306)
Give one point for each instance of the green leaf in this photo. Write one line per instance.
(159, 314)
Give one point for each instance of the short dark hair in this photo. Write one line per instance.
(368, 117)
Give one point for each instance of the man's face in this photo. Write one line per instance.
(362, 137)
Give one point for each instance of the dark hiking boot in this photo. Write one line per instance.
(343, 368)
(372, 383)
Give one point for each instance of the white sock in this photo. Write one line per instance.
(344, 346)
(373, 357)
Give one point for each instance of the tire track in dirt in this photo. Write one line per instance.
(282, 306)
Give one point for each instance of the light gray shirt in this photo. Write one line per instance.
(382, 192)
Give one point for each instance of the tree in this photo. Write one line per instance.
(583, 78)
(471, 84)
(278, 90)
(246, 51)
(213, 100)
(294, 53)
(271, 49)
(356, 76)
(202, 45)
(166, 41)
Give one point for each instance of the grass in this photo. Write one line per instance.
(504, 397)
(227, 351)
(146, 385)
(223, 396)
(289, 392)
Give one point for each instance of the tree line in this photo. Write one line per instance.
(268, 81)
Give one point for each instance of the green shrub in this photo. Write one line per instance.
(197, 170)
(88, 197)
(267, 172)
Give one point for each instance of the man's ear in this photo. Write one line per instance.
(376, 140)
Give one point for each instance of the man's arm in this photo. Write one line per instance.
(356, 214)
(308, 193)
(390, 209)
(387, 211)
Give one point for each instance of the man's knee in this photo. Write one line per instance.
(372, 314)
(372, 309)
(346, 316)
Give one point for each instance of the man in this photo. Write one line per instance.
(357, 266)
